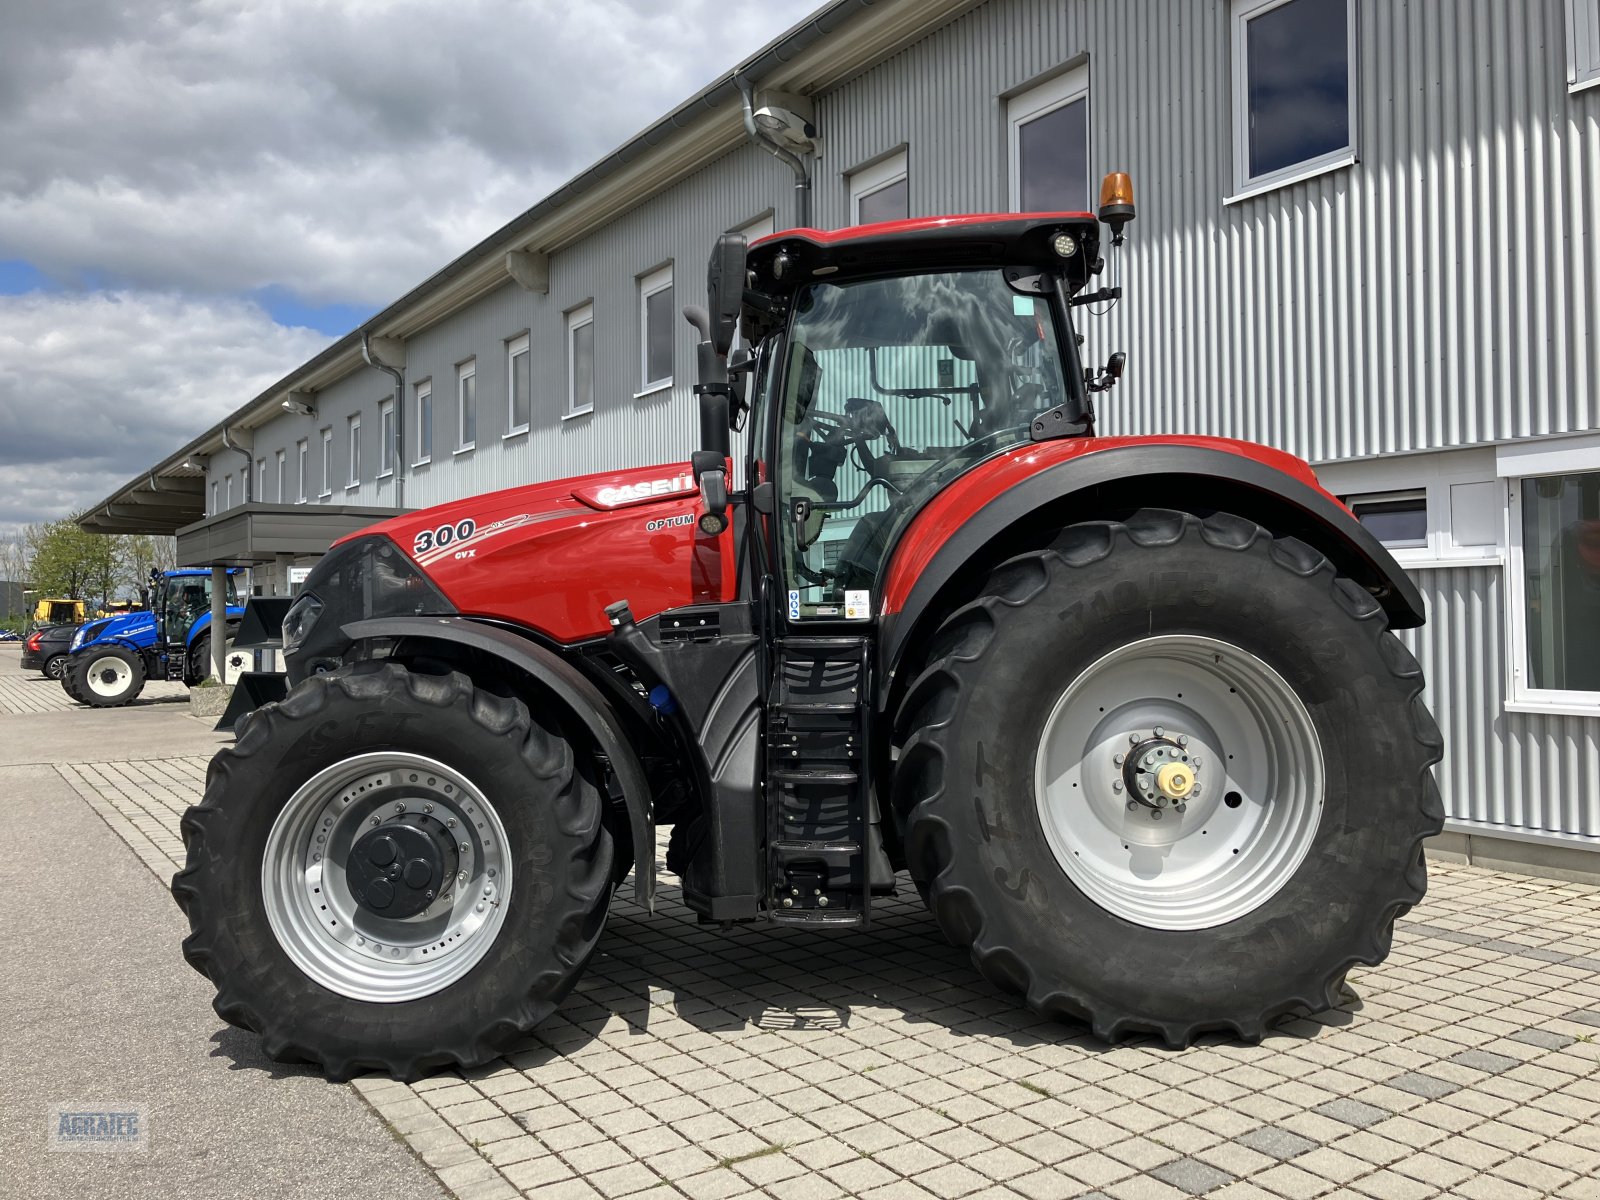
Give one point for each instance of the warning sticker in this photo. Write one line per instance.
(857, 605)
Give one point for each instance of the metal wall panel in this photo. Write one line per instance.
(1438, 293)
(1531, 771)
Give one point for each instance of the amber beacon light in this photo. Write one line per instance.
(1116, 201)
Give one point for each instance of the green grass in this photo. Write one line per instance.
(1032, 1087)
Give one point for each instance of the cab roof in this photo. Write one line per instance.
(924, 244)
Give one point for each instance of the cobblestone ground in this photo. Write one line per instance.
(802, 1066)
(31, 692)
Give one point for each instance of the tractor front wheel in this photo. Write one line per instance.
(1169, 775)
(105, 677)
(393, 871)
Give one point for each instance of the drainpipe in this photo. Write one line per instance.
(249, 463)
(399, 417)
(802, 179)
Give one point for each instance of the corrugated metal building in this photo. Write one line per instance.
(1366, 235)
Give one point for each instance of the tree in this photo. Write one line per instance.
(140, 553)
(72, 563)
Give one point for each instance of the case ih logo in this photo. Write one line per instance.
(632, 493)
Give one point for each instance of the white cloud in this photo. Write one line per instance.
(344, 151)
(95, 387)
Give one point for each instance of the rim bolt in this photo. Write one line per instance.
(461, 876)
(1116, 785)
(491, 872)
(480, 908)
(464, 847)
(427, 808)
(1183, 739)
(1157, 731)
(399, 808)
(361, 941)
(1133, 739)
(1195, 763)
(1177, 808)
(375, 820)
(1195, 790)
(487, 892)
(1118, 759)
(449, 822)
(427, 895)
(1156, 815)
(1133, 806)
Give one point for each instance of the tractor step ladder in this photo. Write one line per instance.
(819, 842)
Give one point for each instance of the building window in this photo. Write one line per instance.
(1293, 88)
(1583, 43)
(385, 438)
(216, 497)
(327, 461)
(655, 330)
(424, 397)
(881, 192)
(1556, 540)
(303, 456)
(580, 360)
(355, 451)
(261, 480)
(1048, 145)
(228, 489)
(467, 405)
(283, 471)
(1397, 519)
(518, 385)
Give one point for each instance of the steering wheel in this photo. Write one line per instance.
(861, 421)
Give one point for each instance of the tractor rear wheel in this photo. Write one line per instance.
(393, 871)
(106, 676)
(1169, 775)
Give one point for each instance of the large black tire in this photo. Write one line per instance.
(68, 678)
(559, 849)
(972, 723)
(105, 676)
(197, 664)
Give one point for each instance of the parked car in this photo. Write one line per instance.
(46, 649)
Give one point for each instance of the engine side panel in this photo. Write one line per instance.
(551, 556)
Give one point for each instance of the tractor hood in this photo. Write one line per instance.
(551, 556)
(126, 627)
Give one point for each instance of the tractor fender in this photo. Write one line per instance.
(574, 690)
(931, 553)
(203, 623)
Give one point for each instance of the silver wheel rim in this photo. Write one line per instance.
(314, 914)
(1252, 750)
(53, 667)
(109, 676)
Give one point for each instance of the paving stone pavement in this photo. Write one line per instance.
(30, 692)
(802, 1066)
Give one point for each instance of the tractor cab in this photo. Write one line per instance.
(180, 598)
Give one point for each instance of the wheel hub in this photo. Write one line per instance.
(397, 869)
(1159, 772)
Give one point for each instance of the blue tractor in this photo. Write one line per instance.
(112, 657)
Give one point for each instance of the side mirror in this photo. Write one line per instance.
(725, 276)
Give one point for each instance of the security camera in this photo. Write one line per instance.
(299, 408)
(787, 119)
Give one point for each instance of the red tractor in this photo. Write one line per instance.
(1128, 711)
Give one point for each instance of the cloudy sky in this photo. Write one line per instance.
(195, 197)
